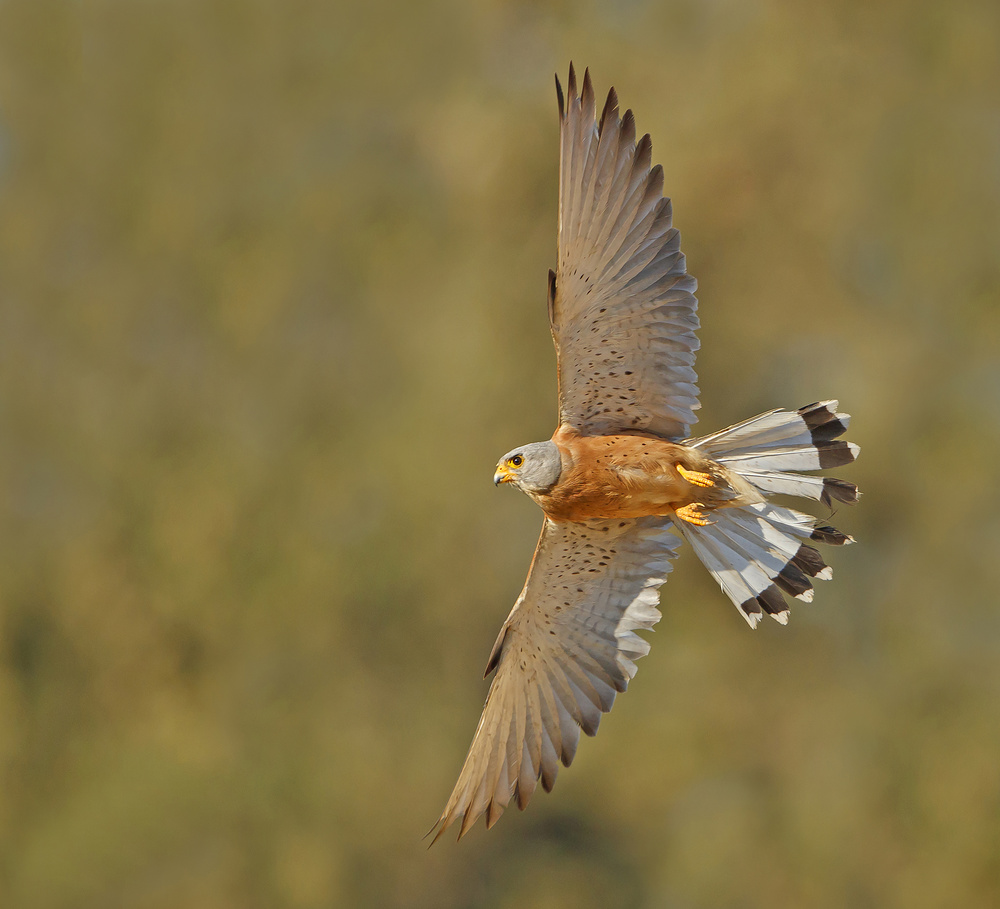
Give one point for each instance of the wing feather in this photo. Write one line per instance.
(566, 650)
(623, 314)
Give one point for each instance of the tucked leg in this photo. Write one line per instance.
(696, 478)
(694, 513)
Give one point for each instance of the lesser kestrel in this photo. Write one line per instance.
(621, 473)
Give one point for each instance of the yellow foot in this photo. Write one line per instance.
(695, 478)
(694, 514)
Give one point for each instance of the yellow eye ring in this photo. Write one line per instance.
(515, 461)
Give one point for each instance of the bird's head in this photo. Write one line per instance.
(533, 468)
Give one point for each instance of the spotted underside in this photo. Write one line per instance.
(567, 648)
(621, 303)
(623, 317)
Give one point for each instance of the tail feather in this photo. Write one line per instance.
(777, 429)
(824, 489)
(782, 440)
(759, 552)
(764, 448)
(742, 579)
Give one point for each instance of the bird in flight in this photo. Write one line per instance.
(621, 473)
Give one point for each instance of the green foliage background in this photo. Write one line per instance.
(272, 282)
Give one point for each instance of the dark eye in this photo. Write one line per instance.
(517, 460)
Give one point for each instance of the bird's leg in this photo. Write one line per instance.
(694, 513)
(696, 478)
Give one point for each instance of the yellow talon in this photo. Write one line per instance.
(694, 514)
(695, 478)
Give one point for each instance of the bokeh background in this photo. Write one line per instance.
(272, 302)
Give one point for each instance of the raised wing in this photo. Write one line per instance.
(621, 305)
(567, 647)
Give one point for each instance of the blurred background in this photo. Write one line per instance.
(272, 302)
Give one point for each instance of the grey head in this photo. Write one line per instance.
(532, 468)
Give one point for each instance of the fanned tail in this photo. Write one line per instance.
(760, 552)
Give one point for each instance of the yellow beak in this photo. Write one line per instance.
(502, 475)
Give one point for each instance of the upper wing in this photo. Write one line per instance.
(621, 305)
(567, 647)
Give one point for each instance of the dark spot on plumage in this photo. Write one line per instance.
(814, 413)
(809, 560)
(840, 490)
(830, 535)
(834, 454)
(827, 431)
(772, 600)
(823, 423)
(793, 580)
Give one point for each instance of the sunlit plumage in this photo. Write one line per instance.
(621, 474)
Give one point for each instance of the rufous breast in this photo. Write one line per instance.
(630, 476)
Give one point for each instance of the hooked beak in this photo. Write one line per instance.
(502, 475)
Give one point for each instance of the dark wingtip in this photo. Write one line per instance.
(494, 659)
(628, 126)
(654, 182)
(439, 827)
(559, 96)
(610, 108)
(571, 83)
(643, 156)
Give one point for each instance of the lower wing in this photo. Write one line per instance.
(567, 648)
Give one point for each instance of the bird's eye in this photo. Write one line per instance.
(516, 461)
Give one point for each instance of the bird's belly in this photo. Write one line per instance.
(626, 476)
(621, 493)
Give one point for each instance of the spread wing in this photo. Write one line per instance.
(567, 647)
(621, 305)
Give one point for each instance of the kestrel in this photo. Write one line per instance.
(620, 473)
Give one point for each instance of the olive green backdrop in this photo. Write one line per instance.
(272, 302)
